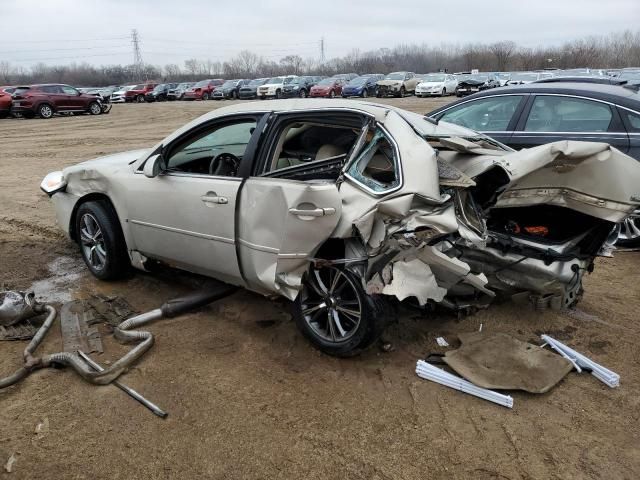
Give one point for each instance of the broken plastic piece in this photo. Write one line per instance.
(442, 342)
(435, 374)
(603, 374)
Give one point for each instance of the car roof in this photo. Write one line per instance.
(626, 97)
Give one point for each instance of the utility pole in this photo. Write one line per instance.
(137, 54)
(321, 49)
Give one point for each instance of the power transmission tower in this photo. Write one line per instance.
(322, 49)
(137, 54)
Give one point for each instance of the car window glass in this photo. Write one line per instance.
(565, 114)
(306, 142)
(486, 114)
(633, 120)
(377, 165)
(197, 155)
(69, 90)
(51, 89)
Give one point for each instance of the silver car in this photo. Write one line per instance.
(343, 206)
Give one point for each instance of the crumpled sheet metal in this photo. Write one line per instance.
(407, 279)
(578, 175)
(499, 361)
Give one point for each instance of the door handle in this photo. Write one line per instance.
(214, 199)
(316, 212)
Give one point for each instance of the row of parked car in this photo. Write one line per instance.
(48, 99)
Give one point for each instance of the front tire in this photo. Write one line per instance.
(101, 240)
(95, 108)
(335, 313)
(278, 94)
(365, 93)
(332, 94)
(140, 99)
(303, 93)
(205, 96)
(443, 93)
(402, 92)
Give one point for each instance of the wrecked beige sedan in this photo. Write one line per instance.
(344, 206)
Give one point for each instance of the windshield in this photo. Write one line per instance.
(289, 80)
(229, 84)
(202, 83)
(327, 81)
(257, 82)
(356, 82)
(629, 76)
(21, 90)
(524, 77)
(184, 85)
(395, 76)
(159, 88)
(479, 78)
(503, 76)
(433, 78)
(275, 80)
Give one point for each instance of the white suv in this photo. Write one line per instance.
(274, 87)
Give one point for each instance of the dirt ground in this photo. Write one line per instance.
(249, 398)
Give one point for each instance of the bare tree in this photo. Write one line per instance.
(503, 52)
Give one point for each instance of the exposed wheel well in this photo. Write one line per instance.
(88, 198)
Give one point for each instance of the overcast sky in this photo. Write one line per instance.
(171, 31)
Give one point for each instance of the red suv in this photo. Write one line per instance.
(137, 93)
(203, 90)
(45, 100)
(5, 101)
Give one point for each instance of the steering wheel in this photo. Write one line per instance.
(224, 165)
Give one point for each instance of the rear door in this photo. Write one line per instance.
(291, 205)
(281, 223)
(59, 99)
(494, 115)
(552, 117)
(631, 121)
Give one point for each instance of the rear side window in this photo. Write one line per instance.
(485, 114)
(51, 89)
(377, 165)
(632, 120)
(566, 114)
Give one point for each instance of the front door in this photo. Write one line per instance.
(186, 216)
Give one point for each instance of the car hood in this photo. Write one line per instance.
(114, 161)
(389, 83)
(271, 85)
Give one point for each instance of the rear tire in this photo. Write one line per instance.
(629, 236)
(140, 99)
(363, 322)
(45, 111)
(205, 96)
(101, 240)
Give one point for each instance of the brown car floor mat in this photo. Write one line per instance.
(498, 361)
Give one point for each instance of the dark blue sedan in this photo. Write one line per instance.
(360, 87)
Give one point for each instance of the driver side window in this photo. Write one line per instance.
(216, 151)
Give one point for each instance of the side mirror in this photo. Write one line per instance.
(154, 166)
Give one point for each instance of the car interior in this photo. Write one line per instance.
(310, 150)
(213, 152)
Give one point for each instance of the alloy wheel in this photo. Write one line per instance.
(95, 109)
(331, 305)
(92, 242)
(46, 111)
(630, 228)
